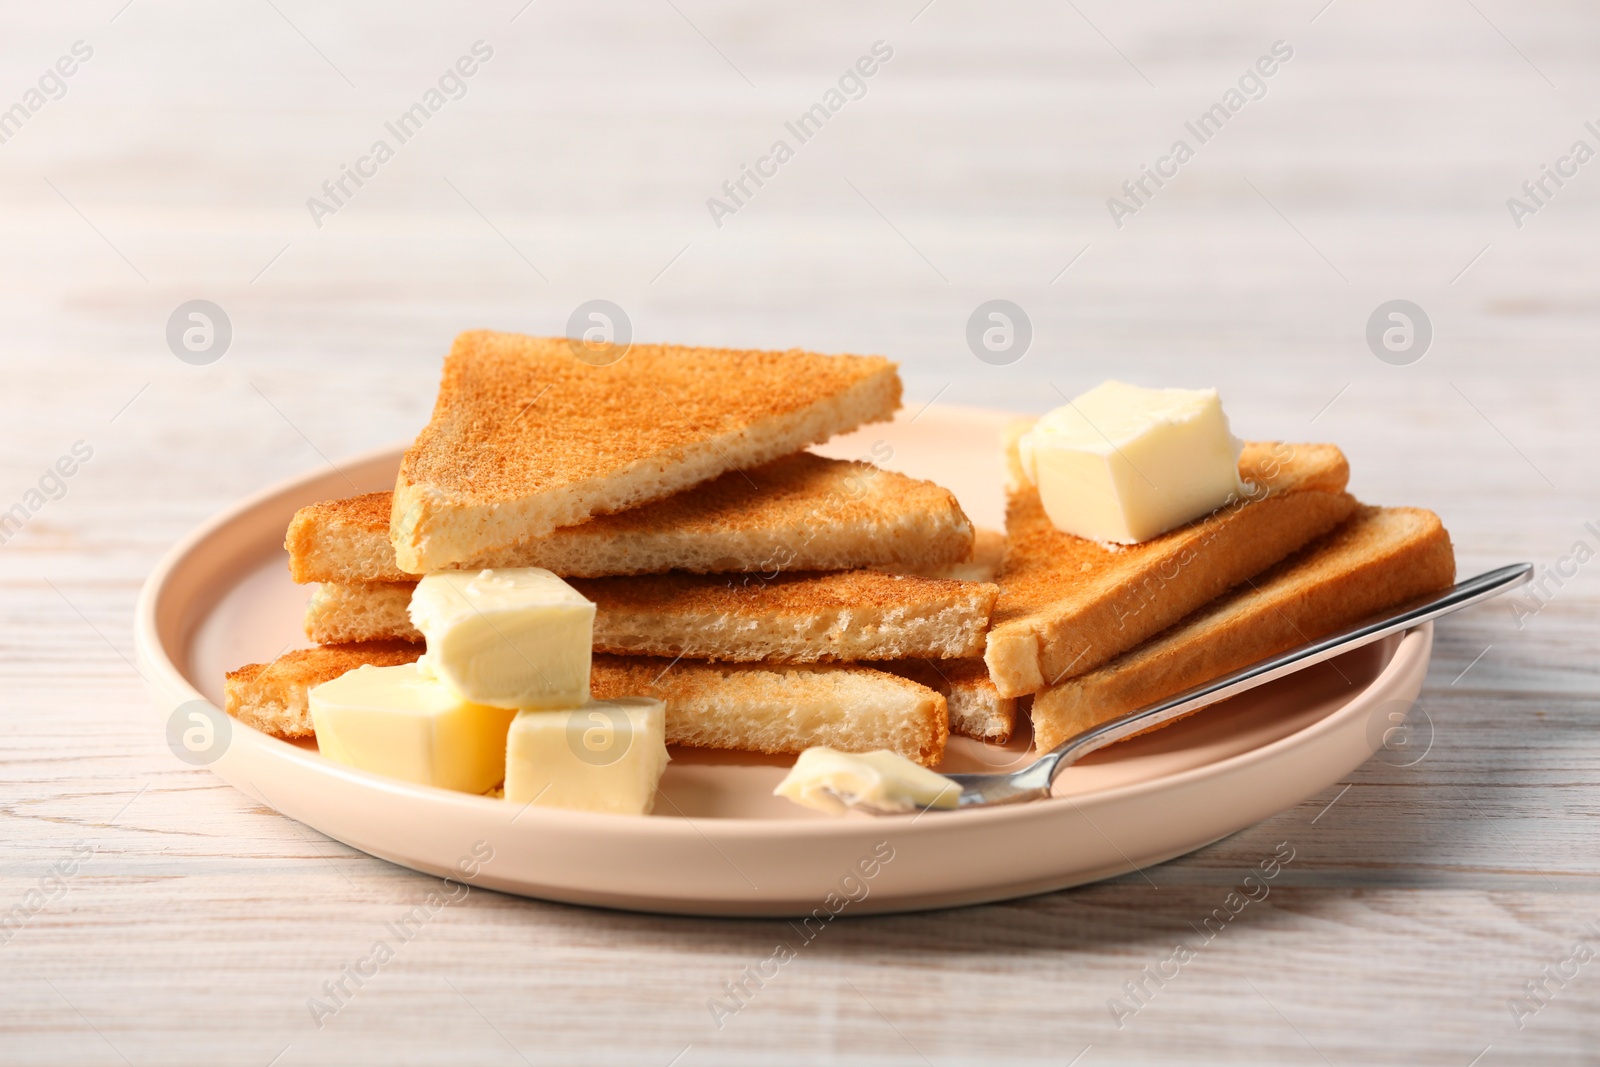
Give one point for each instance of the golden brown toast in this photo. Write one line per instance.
(750, 708)
(810, 617)
(800, 512)
(272, 696)
(1067, 604)
(977, 709)
(807, 617)
(526, 437)
(780, 709)
(1379, 558)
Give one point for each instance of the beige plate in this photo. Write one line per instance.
(719, 843)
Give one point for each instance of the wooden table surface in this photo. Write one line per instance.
(167, 919)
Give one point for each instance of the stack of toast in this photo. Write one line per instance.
(775, 599)
(1093, 631)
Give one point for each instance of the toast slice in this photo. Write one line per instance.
(793, 618)
(1067, 604)
(977, 709)
(842, 616)
(1379, 558)
(783, 709)
(272, 696)
(800, 512)
(526, 437)
(756, 709)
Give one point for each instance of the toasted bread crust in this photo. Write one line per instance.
(272, 696)
(792, 618)
(343, 541)
(756, 709)
(525, 437)
(799, 512)
(760, 708)
(1378, 558)
(977, 709)
(840, 616)
(1067, 604)
(340, 613)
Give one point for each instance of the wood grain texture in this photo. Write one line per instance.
(977, 165)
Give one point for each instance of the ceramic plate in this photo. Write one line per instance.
(719, 843)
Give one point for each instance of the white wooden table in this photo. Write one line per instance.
(176, 165)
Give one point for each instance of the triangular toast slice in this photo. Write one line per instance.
(1379, 558)
(1067, 604)
(807, 617)
(749, 707)
(756, 707)
(272, 696)
(839, 616)
(526, 437)
(800, 512)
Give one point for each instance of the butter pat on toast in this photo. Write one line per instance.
(1067, 604)
(526, 437)
(1379, 558)
(799, 512)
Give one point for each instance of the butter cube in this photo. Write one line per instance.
(513, 638)
(1124, 464)
(394, 721)
(605, 756)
